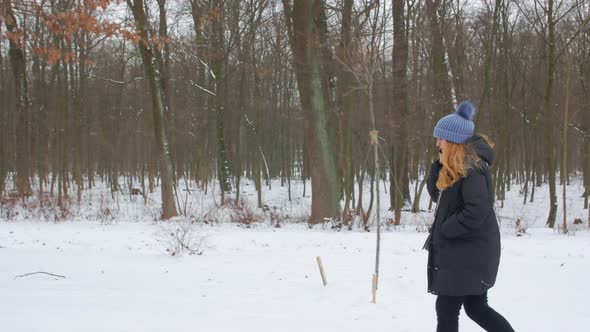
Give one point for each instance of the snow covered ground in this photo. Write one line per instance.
(119, 276)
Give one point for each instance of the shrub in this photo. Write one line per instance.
(179, 235)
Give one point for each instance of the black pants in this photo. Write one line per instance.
(476, 307)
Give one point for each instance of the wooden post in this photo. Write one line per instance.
(321, 266)
(374, 288)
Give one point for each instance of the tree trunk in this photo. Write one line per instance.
(442, 88)
(198, 13)
(549, 144)
(587, 156)
(162, 55)
(456, 53)
(217, 58)
(564, 146)
(16, 54)
(346, 104)
(152, 73)
(3, 101)
(489, 60)
(308, 31)
(79, 114)
(586, 118)
(400, 106)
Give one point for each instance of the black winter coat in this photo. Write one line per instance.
(464, 244)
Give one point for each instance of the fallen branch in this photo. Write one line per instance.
(28, 274)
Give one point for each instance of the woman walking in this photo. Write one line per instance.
(464, 241)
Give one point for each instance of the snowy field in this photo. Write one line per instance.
(119, 276)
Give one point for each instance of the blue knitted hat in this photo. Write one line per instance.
(456, 127)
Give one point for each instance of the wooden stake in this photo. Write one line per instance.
(321, 266)
(374, 288)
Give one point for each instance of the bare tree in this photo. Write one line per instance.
(399, 130)
(148, 50)
(17, 60)
(307, 22)
(441, 85)
(550, 62)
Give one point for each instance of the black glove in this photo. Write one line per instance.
(432, 178)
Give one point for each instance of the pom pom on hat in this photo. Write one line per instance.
(466, 110)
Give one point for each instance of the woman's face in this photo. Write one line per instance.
(441, 144)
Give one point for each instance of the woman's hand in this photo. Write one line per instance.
(441, 144)
(432, 179)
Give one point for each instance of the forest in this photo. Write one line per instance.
(145, 95)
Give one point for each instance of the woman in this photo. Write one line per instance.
(464, 241)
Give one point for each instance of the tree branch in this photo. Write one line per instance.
(193, 83)
(117, 82)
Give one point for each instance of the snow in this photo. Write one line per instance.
(119, 276)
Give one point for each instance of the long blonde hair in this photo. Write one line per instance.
(453, 161)
(456, 158)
